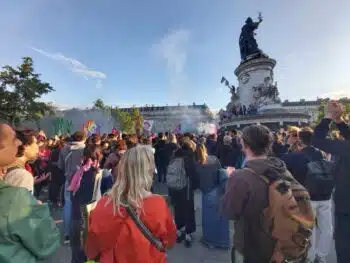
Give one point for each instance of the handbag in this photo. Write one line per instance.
(85, 211)
(144, 230)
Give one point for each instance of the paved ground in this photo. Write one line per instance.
(179, 254)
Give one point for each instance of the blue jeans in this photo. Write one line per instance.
(67, 210)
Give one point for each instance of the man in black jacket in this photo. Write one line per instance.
(297, 164)
(341, 150)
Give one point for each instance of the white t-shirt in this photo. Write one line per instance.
(20, 178)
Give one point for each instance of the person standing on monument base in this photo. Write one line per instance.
(27, 231)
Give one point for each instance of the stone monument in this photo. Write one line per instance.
(256, 99)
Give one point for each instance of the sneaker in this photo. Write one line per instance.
(188, 241)
(320, 260)
(66, 240)
(180, 236)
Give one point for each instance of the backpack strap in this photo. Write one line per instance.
(269, 176)
(262, 177)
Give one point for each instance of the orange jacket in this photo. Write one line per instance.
(116, 238)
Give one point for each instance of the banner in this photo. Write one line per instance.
(90, 128)
(177, 129)
(147, 125)
(116, 132)
(207, 128)
(62, 126)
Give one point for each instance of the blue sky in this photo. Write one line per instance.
(169, 52)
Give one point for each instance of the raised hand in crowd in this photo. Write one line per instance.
(230, 171)
(335, 111)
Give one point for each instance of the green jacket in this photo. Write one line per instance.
(27, 231)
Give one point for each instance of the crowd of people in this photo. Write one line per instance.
(277, 187)
(237, 111)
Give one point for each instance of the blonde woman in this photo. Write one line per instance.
(212, 180)
(113, 236)
(293, 141)
(170, 148)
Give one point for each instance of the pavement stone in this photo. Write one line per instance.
(198, 253)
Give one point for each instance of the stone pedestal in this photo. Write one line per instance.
(253, 73)
(258, 90)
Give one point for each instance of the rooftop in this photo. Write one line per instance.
(301, 103)
(164, 108)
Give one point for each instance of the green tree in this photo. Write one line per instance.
(321, 111)
(20, 91)
(346, 103)
(99, 104)
(130, 121)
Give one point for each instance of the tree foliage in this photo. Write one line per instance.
(99, 104)
(20, 90)
(346, 103)
(323, 106)
(130, 121)
(321, 111)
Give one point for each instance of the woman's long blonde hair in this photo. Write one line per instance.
(202, 154)
(134, 177)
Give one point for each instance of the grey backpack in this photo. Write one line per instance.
(176, 178)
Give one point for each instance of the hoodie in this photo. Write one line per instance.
(70, 158)
(245, 198)
(116, 238)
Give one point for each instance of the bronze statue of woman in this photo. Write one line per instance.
(247, 43)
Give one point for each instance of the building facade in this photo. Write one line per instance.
(187, 118)
(310, 108)
(168, 118)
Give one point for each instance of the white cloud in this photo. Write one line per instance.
(172, 48)
(74, 65)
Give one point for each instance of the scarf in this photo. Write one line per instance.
(76, 179)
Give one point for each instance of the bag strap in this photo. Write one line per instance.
(270, 176)
(144, 230)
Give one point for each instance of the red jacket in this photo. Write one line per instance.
(115, 238)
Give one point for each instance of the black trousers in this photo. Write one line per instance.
(342, 237)
(161, 171)
(184, 210)
(56, 184)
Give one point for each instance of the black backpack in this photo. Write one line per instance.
(319, 177)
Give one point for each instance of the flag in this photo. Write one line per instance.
(177, 129)
(147, 125)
